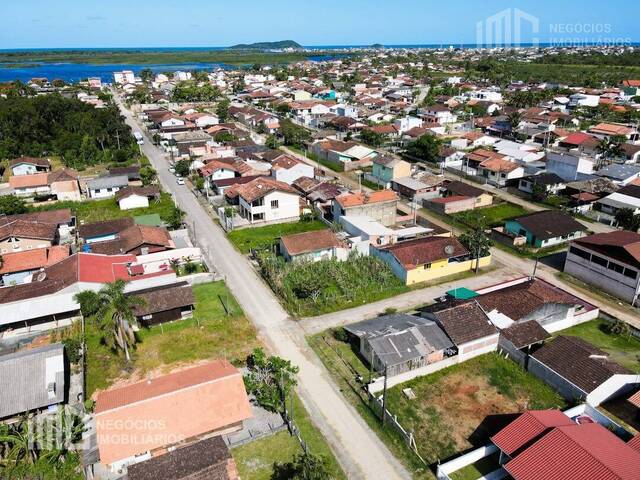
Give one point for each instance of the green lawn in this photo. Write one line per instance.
(263, 238)
(478, 469)
(211, 333)
(493, 216)
(456, 408)
(255, 459)
(108, 209)
(622, 349)
(312, 156)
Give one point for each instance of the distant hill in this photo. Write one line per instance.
(377, 45)
(282, 44)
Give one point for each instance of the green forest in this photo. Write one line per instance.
(53, 125)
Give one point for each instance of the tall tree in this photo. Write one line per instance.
(425, 148)
(113, 315)
(477, 242)
(222, 110)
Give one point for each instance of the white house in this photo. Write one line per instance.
(107, 186)
(181, 76)
(569, 167)
(407, 123)
(486, 95)
(440, 113)
(288, 169)
(124, 77)
(29, 166)
(136, 197)
(583, 100)
(265, 200)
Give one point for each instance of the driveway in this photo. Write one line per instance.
(359, 451)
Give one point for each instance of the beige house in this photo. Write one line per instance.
(380, 206)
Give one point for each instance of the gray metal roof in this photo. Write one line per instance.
(399, 337)
(26, 376)
(108, 181)
(618, 172)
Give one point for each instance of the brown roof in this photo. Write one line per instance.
(550, 224)
(26, 229)
(522, 299)
(523, 334)
(421, 251)
(107, 227)
(148, 191)
(306, 184)
(39, 162)
(163, 298)
(462, 322)
(306, 242)
(206, 460)
(165, 410)
(620, 244)
(499, 165)
(354, 199)
(579, 362)
(260, 187)
(26, 181)
(134, 237)
(59, 217)
(464, 189)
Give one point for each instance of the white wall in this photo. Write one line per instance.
(290, 175)
(134, 201)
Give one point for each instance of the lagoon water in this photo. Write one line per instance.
(73, 72)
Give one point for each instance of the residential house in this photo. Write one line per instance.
(524, 299)
(20, 266)
(157, 414)
(620, 174)
(266, 200)
(103, 231)
(387, 168)
(499, 171)
(106, 186)
(189, 140)
(380, 205)
(136, 197)
(546, 228)
(428, 258)
(312, 246)
(345, 155)
(29, 166)
(579, 370)
(547, 183)
(17, 235)
(549, 444)
(205, 459)
(164, 303)
(438, 113)
(398, 343)
(608, 261)
(406, 123)
(608, 130)
(134, 240)
(124, 77)
(569, 167)
(625, 198)
(288, 169)
(458, 197)
(417, 188)
(63, 184)
(36, 184)
(33, 380)
(466, 324)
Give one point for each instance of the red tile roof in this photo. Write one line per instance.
(33, 259)
(166, 410)
(354, 199)
(306, 242)
(620, 244)
(577, 452)
(528, 427)
(260, 187)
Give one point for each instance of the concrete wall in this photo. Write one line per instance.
(567, 389)
(383, 212)
(615, 386)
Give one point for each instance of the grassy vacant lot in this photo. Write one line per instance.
(211, 333)
(263, 238)
(622, 349)
(456, 408)
(308, 289)
(255, 459)
(493, 216)
(108, 209)
(460, 407)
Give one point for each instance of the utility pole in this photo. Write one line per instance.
(535, 268)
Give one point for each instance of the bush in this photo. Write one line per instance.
(73, 349)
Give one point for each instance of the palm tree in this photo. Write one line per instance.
(17, 443)
(610, 148)
(113, 312)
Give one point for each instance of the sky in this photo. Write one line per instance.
(208, 23)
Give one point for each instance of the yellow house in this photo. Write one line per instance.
(428, 258)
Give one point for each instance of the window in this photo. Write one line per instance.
(147, 317)
(580, 253)
(630, 273)
(258, 216)
(274, 204)
(599, 261)
(615, 267)
(258, 203)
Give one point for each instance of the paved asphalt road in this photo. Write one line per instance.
(358, 449)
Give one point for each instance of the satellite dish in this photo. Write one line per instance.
(449, 249)
(41, 276)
